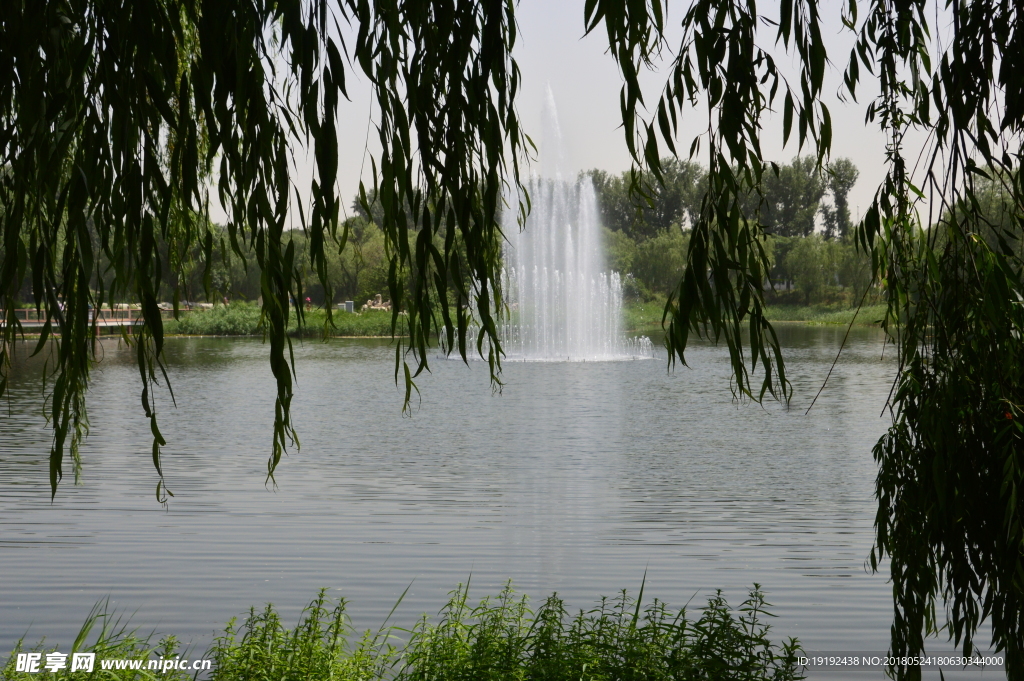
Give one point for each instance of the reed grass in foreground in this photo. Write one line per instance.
(111, 638)
(501, 638)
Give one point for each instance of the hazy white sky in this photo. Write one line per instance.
(551, 50)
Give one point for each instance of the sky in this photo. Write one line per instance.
(552, 52)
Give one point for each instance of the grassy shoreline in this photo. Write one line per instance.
(646, 317)
(502, 637)
(641, 318)
(243, 319)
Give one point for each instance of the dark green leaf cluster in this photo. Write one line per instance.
(445, 85)
(949, 514)
(953, 290)
(719, 66)
(950, 469)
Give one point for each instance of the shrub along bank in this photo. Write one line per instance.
(644, 317)
(500, 638)
(243, 319)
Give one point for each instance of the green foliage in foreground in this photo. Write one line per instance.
(243, 319)
(500, 638)
(503, 639)
(113, 640)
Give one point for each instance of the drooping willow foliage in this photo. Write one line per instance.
(951, 467)
(115, 117)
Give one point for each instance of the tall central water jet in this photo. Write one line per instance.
(564, 304)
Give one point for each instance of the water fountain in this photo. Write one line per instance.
(564, 304)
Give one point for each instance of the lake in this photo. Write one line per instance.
(579, 478)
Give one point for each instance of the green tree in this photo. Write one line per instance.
(853, 268)
(840, 178)
(362, 266)
(808, 263)
(660, 260)
(620, 250)
(792, 198)
(618, 210)
(657, 207)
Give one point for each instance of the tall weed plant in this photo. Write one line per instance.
(618, 640)
(318, 648)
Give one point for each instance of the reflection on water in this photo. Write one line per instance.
(577, 478)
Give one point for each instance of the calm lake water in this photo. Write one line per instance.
(577, 478)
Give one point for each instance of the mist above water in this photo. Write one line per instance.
(564, 303)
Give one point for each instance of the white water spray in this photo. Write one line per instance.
(564, 304)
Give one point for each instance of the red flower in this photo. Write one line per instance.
(1009, 416)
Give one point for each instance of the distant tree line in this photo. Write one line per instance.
(212, 272)
(647, 236)
(357, 272)
(807, 211)
(646, 241)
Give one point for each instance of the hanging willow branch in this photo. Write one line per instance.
(114, 114)
(951, 468)
(720, 68)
